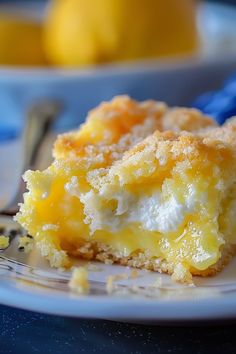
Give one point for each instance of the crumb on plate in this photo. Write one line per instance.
(116, 277)
(79, 281)
(25, 244)
(182, 275)
(157, 283)
(4, 241)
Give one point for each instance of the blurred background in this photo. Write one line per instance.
(79, 33)
(83, 52)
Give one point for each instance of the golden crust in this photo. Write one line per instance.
(107, 123)
(105, 254)
(178, 143)
(225, 133)
(188, 119)
(169, 148)
(126, 120)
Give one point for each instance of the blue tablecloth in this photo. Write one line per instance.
(26, 332)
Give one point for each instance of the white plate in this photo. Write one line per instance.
(27, 282)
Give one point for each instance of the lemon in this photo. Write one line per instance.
(79, 32)
(20, 41)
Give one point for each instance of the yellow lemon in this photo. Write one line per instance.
(79, 32)
(20, 40)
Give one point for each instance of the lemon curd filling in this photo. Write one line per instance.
(165, 203)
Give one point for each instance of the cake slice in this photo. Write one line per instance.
(159, 203)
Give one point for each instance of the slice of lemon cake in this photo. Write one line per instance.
(159, 203)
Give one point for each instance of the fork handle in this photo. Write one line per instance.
(39, 120)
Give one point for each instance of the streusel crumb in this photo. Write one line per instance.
(79, 281)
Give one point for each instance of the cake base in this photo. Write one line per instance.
(141, 260)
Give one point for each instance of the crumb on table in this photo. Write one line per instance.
(79, 281)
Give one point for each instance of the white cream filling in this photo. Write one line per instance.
(152, 212)
(72, 187)
(155, 215)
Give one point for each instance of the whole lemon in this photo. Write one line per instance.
(83, 32)
(20, 40)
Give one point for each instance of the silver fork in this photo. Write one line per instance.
(40, 118)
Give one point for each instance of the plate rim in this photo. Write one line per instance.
(120, 308)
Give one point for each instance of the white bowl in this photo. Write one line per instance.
(177, 81)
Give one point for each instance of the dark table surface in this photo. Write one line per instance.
(27, 332)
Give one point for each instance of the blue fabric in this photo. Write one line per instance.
(7, 132)
(219, 104)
